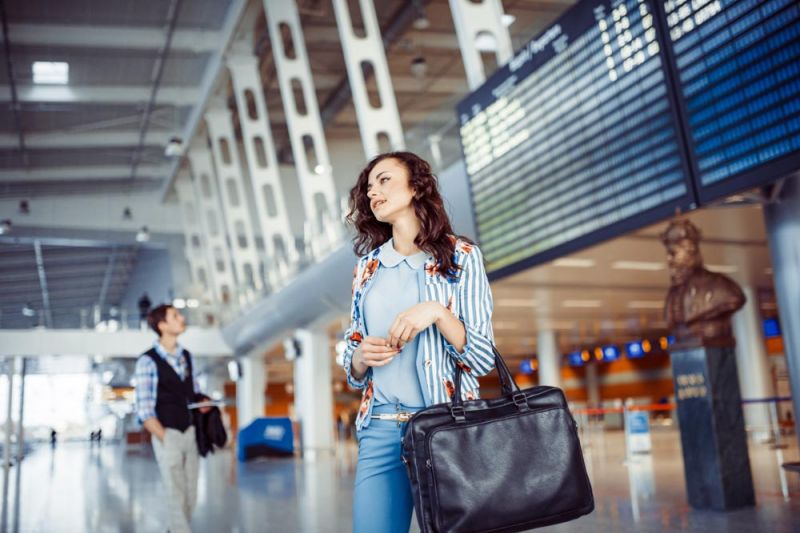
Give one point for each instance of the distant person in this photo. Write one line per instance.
(165, 386)
(420, 293)
(53, 437)
(144, 308)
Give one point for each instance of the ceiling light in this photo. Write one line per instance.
(174, 147)
(638, 265)
(50, 72)
(419, 67)
(507, 19)
(320, 169)
(143, 235)
(179, 303)
(723, 269)
(421, 22)
(574, 262)
(5, 226)
(192, 303)
(27, 310)
(516, 302)
(645, 304)
(485, 42)
(582, 303)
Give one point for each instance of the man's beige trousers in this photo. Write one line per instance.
(178, 462)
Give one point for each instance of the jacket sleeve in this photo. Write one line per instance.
(353, 337)
(475, 304)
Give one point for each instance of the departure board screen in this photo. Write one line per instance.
(738, 72)
(576, 139)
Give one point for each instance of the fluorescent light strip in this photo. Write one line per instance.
(638, 265)
(723, 269)
(582, 303)
(574, 262)
(642, 304)
(516, 302)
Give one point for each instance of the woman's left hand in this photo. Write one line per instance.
(413, 320)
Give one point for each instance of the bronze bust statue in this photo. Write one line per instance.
(699, 302)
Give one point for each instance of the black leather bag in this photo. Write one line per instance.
(506, 464)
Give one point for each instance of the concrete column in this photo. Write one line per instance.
(592, 385)
(313, 393)
(472, 19)
(549, 359)
(753, 366)
(250, 390)
(309, 147)
(783, 231)
(373, 121)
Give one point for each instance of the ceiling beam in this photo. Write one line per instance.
(100, 172)
(70, 139)
(123, 38)
(48, 315)
(110, 94)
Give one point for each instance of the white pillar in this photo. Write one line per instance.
(752, 364)
(313, 393)
(309, 148)
(262, 163)
(212, 220)
(472, 19)
(592, 385)
(232, 190)
(372, 121)
(549, 359)
(195, 247)
(250, 389)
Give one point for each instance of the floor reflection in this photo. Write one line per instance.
(117, 488)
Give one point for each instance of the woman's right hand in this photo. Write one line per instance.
(373, 351)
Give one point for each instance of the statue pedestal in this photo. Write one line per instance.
(715, 460)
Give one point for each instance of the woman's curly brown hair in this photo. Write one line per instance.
(435, 235)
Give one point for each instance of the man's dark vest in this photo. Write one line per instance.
(173, 396)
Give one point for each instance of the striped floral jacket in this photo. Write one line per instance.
(468, 297)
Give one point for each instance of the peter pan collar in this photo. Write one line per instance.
(389, 257)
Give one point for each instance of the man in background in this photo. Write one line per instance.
(165, 386)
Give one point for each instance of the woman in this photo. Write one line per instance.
(421, 305)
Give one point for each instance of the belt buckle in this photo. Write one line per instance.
(404, 416)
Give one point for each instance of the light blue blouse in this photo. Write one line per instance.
(396, 288)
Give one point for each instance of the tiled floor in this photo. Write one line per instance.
(77, 488)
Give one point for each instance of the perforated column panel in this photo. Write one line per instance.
(309, 148)
(472, 19)
(196, 249)
(232, 193)
(212, 220)
(263, 166)
(373, 120)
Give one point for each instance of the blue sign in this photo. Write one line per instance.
(575, 359)
(634, 350)
(610, 353)
(772, 328)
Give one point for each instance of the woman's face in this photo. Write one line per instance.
(389, 192)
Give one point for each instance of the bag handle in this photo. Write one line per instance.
(507, 383)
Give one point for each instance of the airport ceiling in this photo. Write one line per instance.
(137, 73)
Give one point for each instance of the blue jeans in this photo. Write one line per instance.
(382, 500)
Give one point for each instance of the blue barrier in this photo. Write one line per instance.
(266, 437)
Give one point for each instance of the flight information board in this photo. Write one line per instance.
(576, 139)
(738, 75)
